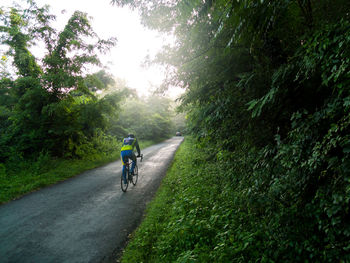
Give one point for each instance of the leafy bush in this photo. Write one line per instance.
(2, 170)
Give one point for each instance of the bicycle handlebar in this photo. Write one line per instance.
(141, 156)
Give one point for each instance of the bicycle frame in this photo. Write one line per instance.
(130, 178)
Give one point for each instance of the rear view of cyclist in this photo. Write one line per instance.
(127, 152)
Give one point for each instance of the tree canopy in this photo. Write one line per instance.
(48, 104)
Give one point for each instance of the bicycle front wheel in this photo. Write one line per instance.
(135, 175)
(124, 185)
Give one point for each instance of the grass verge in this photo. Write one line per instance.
(27, 176)
(188, 219)
(199, 214)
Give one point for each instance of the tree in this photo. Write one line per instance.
(148, 118)
(49, 106)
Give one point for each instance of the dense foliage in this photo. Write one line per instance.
(268, 92)
(46, 103)
(150, 118)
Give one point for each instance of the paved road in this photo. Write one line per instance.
(84, 219)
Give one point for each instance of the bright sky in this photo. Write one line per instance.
(135, 42)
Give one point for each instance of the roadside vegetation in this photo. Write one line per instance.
(57, 117)
(268, 103)
(196, 216)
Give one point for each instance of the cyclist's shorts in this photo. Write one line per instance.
(125, 155)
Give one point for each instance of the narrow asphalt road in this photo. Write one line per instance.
(84, 219)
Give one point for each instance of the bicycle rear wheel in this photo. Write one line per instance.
(135, 175)
(123, 185)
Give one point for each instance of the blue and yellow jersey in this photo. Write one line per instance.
(129, 144)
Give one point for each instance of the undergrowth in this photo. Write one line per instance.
(217, 206)
(192, 217)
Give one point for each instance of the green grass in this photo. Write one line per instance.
(199, 214)
(182, 222)
(26, 177)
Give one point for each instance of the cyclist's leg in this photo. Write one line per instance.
(134, 160)
(124, 157)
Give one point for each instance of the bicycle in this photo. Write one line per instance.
(131, 178)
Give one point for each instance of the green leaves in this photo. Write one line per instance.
(149, 118)
(256, 106)
(268, 91)
(52, 107)
(327, 50)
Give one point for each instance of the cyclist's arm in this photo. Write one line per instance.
(138, 147)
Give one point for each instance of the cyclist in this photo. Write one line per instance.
(127, 152)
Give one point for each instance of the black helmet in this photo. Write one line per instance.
(130, 135)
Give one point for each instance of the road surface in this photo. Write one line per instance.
(83, 219)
